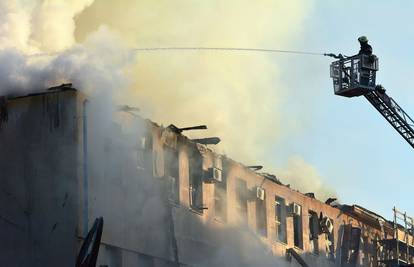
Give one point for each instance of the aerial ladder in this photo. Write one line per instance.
(355, 76)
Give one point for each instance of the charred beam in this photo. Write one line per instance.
(330, 200)
(207, 141)
(255, 167)
(180, 130)
(290, 252)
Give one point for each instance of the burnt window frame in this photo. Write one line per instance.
(220, 196)
(367, 250)
(280, 219)
(144, 152)
(241, 192)
(330, 250)
(172, 173)
(298, 228)
(313, 224)
(261, 217)
(195, 181)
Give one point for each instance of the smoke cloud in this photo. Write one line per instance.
(39, 25)
(306, 178)
(238, 95)
(38, 50)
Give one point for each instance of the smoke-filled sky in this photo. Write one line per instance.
(272, 109)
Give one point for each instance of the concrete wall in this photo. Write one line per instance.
(131, 201)
(38, 180)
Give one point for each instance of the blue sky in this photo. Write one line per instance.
(351, 144)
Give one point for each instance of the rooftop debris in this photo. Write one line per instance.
(330, 200)
(180, 130)
(255, 167)
(310, 194)
(271, 177)
(63, 86)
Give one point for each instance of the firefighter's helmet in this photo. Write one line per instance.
(363, 39)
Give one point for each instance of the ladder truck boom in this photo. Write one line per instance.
(355, 76)
(394, 114)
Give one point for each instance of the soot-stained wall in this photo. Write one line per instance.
(39, 156)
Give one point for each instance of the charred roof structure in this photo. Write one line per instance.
(166, 200)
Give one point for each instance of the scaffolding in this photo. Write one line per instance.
(398, 250)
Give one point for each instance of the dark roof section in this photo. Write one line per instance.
(366, 215)
(271, 177)
(60, 88)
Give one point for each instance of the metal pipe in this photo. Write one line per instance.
(200, 127)
(85, 171)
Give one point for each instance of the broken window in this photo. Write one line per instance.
(261, 223)
(350, 245)
(354, 245)
(280, 219)
(241, 200)
(196, 182)
(367, 251)
(327, 228)
(330, 246)
(172, 173)
(297, 225)
(220, 198)
(314, 232)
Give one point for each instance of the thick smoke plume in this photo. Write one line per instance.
(239, 96)
(235, 94)
(38, 50)
(45, 43)
(39, 25)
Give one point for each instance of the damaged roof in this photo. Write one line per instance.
(54, 89)
(353, 210)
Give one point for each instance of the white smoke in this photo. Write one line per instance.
(39, 25)
(305, 177)
(96, 66)
(38, 50)
(53, 24)
(15, 25)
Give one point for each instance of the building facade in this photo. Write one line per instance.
(166, 200)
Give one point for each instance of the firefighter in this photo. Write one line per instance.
(367, 58)
(366, 49)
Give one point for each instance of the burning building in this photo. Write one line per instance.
(166, 200)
